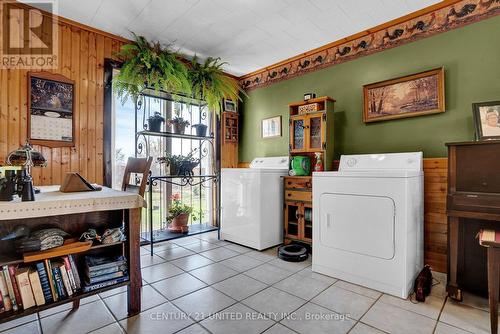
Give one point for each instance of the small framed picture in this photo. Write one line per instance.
(230, 105)
(271, 127)
(487, 120)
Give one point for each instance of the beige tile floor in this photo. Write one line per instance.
(203, 285)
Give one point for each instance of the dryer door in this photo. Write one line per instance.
(360, 224)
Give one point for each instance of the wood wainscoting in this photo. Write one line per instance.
(435, 223)
(82, 51)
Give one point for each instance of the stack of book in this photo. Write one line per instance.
(103, 271)
(48, 281)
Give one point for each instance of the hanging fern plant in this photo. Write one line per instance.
(150, 65)
(211, 84)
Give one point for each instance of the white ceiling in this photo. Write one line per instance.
(248, 34)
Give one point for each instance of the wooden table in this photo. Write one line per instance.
(75, 213)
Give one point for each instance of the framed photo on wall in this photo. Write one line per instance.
(229, 105)
(271, 127)
(409, 96)
(51, 104)
(487, 120)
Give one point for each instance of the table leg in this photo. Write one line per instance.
(134, 259)
(493, 285)
(453, 290)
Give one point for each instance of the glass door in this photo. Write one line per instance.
(314, 134)
(297, 134)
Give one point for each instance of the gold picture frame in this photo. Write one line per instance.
(408, 96)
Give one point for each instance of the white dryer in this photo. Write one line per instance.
(252, 203)
(368, 221)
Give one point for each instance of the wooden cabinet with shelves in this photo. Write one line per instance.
(229, 143)
(313, 131)
(298, 208)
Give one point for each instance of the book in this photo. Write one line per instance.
(36, 287)
(12, 273)
(59, 282)
(44, 280)
(52, 283)
(92, 287)
(101, 278)
(105, 271)
(95, 263)
(74, 269)
(10, 288)
(7, 304)
(69, 271)
(24, 285)
(65, 279)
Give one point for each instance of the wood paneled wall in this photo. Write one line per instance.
(81, 58)
(435, 226)
(435, 221)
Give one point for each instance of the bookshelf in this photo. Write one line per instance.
(75, 213)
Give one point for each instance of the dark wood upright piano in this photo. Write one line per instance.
(473, 202)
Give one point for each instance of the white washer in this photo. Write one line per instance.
(252, 203)
(368, 221)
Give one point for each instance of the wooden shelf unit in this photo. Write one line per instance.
(310, 132)
(298, 199)
(229, 142)
(75, 224)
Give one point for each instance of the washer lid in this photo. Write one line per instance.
(411, 161)
(270, 163)
(371, 173)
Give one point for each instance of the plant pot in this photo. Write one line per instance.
(201, 129)
(186, 167)
(154, 124)
(179, 224)
(174, 169)
(178, 128)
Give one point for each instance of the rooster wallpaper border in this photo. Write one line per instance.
(441, 20)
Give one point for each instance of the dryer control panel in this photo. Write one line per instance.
(382, 161)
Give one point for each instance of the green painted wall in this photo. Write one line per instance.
(470, 55)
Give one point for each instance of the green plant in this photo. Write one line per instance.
(171, 159)
(197, 215)
(177, 208)
(178, 119)
(209, 83)
(150, 65)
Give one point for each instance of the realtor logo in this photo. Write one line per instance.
(29, 35)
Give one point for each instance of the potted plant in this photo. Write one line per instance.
(209, 83)
(178, 215)
(188, 163)
(155, 121)
(201, 129)
(149, 65)
(173, 161)
(178, 123)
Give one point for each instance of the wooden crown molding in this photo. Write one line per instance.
(438, 18)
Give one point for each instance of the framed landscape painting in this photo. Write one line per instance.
(408, 96)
